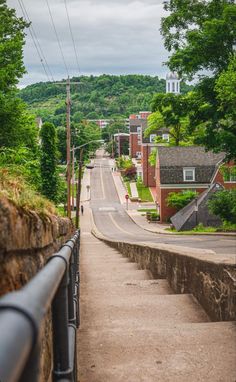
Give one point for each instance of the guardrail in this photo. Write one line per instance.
(22, 313)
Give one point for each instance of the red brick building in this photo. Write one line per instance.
(187, 168)
(122, 143)
(147, 146)
(135, 126)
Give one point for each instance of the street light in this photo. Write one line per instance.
(81, 147)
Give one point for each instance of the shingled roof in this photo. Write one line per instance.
(172, 160)
(188, 156)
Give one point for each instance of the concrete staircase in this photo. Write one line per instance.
(133, 328)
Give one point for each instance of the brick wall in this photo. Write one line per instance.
(148, 170)
(219, 179)
(133, 144)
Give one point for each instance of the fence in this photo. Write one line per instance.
(22, 314)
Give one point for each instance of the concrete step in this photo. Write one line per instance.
(139, 311)
(115, 266)
(184, 353)
(101, 260)
(120, 274)
(126, 288)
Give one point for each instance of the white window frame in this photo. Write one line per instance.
(166, 137)
(152, 137)
(185, 169)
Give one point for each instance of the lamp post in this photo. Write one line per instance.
(78, 194)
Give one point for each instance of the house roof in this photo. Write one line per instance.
(173, 159)
(190, 156)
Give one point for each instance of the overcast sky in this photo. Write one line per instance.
(113, 37)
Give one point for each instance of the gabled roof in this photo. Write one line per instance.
(191, 156)
(172, 160)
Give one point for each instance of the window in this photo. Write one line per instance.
(229, 173)
(189, 174)
(166, 137)
(152, 137)
(139, 129)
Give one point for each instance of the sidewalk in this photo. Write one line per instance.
(85, 193)
(143, 223)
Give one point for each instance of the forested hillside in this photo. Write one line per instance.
(105, 96)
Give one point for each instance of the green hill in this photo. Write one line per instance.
(105, 96)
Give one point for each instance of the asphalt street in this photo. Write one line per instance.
(112, 220)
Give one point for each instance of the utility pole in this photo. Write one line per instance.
(78, 195)
(68, 143)
(73, 178)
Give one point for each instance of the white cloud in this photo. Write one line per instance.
(117, 37)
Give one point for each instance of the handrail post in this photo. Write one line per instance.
(61, 362)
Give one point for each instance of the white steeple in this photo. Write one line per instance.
(172, 83)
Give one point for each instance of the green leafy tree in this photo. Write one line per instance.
(48, 161)
(179, 200)
(11, 48)
(223, 204)
(170, 112)
(17, 127)
(200, 36)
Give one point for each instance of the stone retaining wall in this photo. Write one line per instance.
(211, 280)
(27, 240)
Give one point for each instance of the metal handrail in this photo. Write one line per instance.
(22, 313)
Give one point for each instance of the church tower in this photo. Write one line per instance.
(172, 83)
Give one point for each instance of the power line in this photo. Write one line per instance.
(39, 46)
(59, 44)
(72, 36)
(34, 38)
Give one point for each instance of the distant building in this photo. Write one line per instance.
(102, 123)
(135, 127)
(122, 143)
(172, 83)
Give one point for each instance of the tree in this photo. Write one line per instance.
(48, 161)
(11, 48)
(223, 204)
(170, 112)
(200, 36)
(17, 127)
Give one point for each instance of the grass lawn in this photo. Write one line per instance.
(147, 210)
(127, 185)
(144, 192)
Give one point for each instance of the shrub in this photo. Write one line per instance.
(179, 200)
(130, 172)
(223, 204)
(48, 162)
